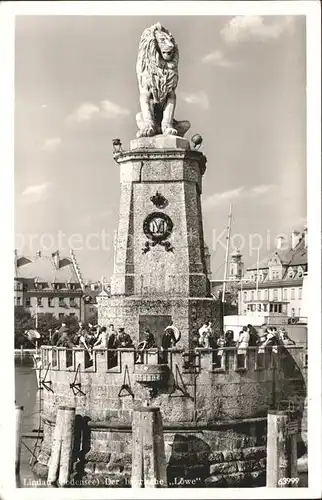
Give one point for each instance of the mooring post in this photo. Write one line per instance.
(53, 463)
(280, 450)
(19, 413)
(148, 455)
(67, 439)
(61, 456)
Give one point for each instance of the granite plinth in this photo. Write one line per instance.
(160, 142)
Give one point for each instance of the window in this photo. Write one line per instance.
(39, 301)
(245, 296)
(18, 301)
(258, 307)
(300, 293)
(299, 311)
(259, 295)
(293, 312)
(293, 293)
(253, 295)
(271, 308)
(61, 315)
(265, 307)
(275, 294)
(61, 302)
(290, 273)
(285, 297)
(279, 308)
(300, 273)
(266, 294)
(72, 286)
(51, 302)
(72, 302)
(72, 314)
(28, 302)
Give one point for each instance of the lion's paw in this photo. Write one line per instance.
(148, 131)
(166, 130)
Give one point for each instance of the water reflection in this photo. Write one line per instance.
(26, 394)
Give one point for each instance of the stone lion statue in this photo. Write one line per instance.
(157, 73)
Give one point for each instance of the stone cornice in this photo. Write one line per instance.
(161, 154)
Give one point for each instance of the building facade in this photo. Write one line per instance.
(49, 284)
(274, 286)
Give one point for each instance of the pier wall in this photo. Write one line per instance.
(213, 406)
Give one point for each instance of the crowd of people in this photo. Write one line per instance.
(96, 337)
(248, 337)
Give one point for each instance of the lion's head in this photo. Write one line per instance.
(157, 63)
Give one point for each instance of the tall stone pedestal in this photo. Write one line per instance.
(160, 269)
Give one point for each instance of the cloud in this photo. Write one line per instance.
(262, 189)
(36, 193)
(105, 109)
(243, 28)
(198, 98)
(110, 110)
(224, 197)
(217, 58)
(51, 144)
(238, 193)
(88, 219)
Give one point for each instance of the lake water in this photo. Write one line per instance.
(27, 395)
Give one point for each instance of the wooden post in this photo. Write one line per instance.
(67, 445)
(62, 447)
(280, 452)
(53, 463)
(19, 412)
(148, 455)
(21, 352)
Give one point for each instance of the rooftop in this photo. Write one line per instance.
(46, 268)
(287, 257)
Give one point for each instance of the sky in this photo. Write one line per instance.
(242, 85)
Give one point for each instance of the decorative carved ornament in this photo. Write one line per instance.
(157, 227)
(159, 200)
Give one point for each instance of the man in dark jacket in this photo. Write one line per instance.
(58, 333)
(124, 340)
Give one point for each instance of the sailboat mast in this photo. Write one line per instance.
(37, 314)
(257, 274)
(227, 252)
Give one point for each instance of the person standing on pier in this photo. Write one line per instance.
(169, 339)
(124, 340)
(101, 342)
(58, 333)
(112, 346)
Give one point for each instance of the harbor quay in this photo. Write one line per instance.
(166, 396)
(214, 411)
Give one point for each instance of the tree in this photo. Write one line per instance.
(230, 306)
(47, 324)
(93, 318)
(22, 322)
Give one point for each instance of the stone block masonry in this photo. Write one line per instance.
(159, 266)
(214, 418)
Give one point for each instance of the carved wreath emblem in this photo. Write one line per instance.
(157, 227)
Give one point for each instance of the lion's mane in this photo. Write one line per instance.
(155, 75)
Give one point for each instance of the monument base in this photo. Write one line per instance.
(136, 314)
